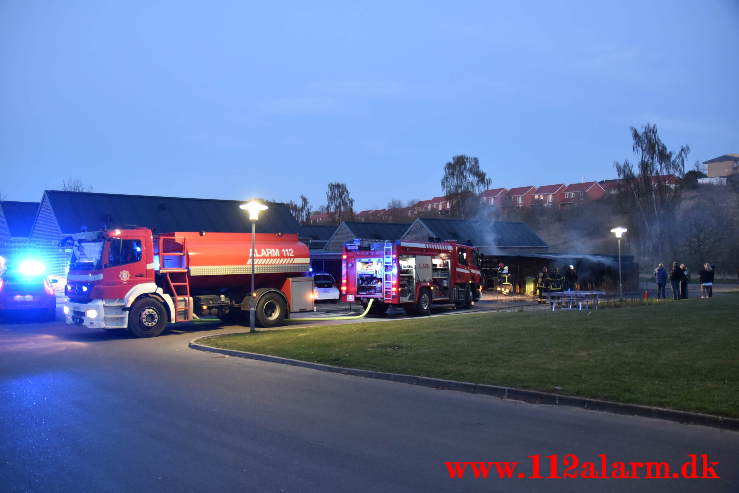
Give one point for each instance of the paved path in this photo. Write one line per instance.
(87, 410)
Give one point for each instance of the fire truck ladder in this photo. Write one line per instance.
(388, 272)
(173, 260)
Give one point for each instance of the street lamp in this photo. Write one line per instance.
(253, 207)
(619, 232)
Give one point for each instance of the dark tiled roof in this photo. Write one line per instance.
(377, 231)
(485, 233)
(20, 217)
(316, 232)
(549, 188)
(493, 192)
(580, 187)
(75, 210)
(520, 190)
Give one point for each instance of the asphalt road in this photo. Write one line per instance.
(87, 410)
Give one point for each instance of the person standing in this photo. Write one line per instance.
(660, 275)
(571, 279)
(676, 274)
(706, 279)
(684, 282)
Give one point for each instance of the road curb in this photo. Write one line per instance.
(530, 396)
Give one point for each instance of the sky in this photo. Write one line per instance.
(239, 99)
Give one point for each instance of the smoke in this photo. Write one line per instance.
(482, 217)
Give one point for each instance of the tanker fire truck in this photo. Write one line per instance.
(413, 275)
(136, 280)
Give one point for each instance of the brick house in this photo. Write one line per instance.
(494, 196)
(578, 193)
(550, 195)
(722, 166)
(521, 196)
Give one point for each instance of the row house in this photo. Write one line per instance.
(612, 187)
(557, 195)
(578, 193)
(521, 196)
(550, 195)
(439, 205)
(495, 197)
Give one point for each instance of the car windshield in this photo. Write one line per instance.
(323, 280)
(86, 255)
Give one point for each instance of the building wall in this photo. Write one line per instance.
(416, 232)
(337, 240)
(4, 230)
(44, 239)
(595, 192)
(722, 168)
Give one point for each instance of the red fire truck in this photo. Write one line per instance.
(413, 275)
(136, 280)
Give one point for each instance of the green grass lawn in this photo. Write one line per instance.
(676, 354)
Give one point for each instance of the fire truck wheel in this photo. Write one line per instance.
(423, 306)
(147, 318)
(271, 310)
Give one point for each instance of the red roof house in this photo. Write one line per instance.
(580, 192)
(494, 196)
(550, 195)
(522, 196)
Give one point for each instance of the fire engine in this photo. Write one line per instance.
(413, 275)
(136, 280)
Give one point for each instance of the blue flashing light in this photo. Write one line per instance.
(31, 268)
(310, 269)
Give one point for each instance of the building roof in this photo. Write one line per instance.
(316, 232)
(520, 190)
(549, 188)
(725, 157)
(493, 234)
(582, 187)
(20, 217)
(377, 231)
(75, 211)
(493, 192)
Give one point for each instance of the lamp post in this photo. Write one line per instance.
(619, 232)
(253, 207)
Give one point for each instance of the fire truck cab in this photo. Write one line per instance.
(413, 275)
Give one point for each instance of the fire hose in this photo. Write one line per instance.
(346, 317)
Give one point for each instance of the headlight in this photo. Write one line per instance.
(66, 309)
(31, 268)
(91, 313)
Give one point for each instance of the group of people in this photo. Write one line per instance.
(679, 278)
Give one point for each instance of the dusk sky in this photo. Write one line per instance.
(238, 99)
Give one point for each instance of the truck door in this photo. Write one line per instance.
(124, 266)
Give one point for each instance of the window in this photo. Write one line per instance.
(123, 252)
(475, 258)
(462, 256)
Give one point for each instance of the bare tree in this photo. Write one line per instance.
(462, 182)
(75, 185)
(339, 203)
(302, 211)
(646, 195)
